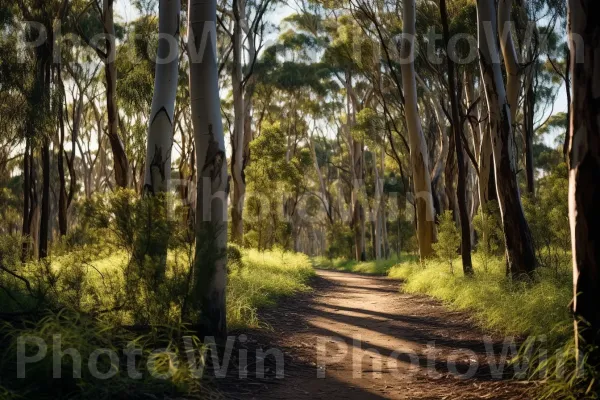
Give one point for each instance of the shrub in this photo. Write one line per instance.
(448, 240)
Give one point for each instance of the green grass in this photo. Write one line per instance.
(264, 278)
(375, 267)
(261, 280)
(538, 308)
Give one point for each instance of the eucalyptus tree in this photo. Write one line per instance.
(584, 188)
(425, 214)
(210, 261)
(520, 253)
(162, 119)
(457, 127)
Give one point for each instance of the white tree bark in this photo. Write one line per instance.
(210, 275)
(160, 130)
(426, 231)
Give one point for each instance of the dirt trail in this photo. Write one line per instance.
(377, 343)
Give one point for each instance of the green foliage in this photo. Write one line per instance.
(548, 217)
(271, 178)
(448, 240)
(340, 239)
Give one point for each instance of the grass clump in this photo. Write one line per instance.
(496, 303)
(265, 277)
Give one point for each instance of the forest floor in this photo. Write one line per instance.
(370, 341)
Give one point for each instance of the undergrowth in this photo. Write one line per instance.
(496, 303)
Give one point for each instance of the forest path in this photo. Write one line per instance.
(374, 341)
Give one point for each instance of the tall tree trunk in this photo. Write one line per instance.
(161, 128)
(529, 107)
(567, 143)
(45, 211)
(584, 180)
(157, 176)
(121, 165)
(210, 272)
(475, 128)
(461, 188)
(378, 221)
(27, 187)
(62, 191)
(237, 139)
(520, 253)
(358, 219)
(487, 181)
(426, 231)
(449, 177)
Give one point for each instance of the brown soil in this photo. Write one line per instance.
(375, 342)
